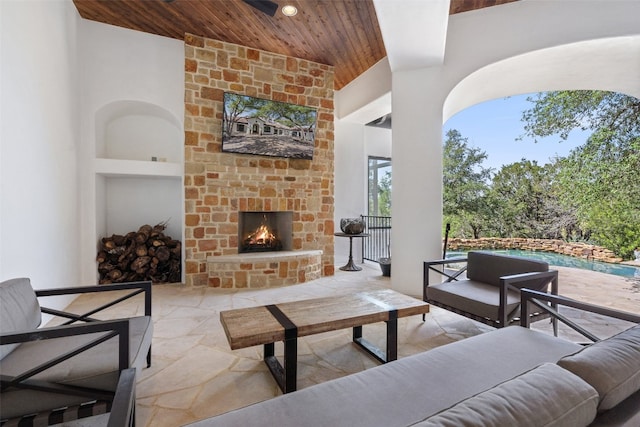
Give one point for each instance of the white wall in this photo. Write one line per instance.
(57, 71)
(354, 143)
(128, 73)
(350, 179)
(39, 233)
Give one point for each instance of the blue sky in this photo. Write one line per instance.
(493, 127)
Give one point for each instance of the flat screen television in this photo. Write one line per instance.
(267, 128)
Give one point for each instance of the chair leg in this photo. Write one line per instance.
(149, 358)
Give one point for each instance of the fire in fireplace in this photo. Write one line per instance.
(264, 231)
(262, 239)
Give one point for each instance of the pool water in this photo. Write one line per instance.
(567, 261)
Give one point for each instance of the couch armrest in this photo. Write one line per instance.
(511, 283)
(111, 328)
(543, 277)
(431, 266)
(124, 402)
(446, 261)
(136, 288)
(541, 300)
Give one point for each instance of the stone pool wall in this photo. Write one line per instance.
(575, 249)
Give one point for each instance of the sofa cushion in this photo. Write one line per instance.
(481, 299)
(19, 309)
(545, 396)
(488, 267)
(611, 366)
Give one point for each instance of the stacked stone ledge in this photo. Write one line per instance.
(575, 249)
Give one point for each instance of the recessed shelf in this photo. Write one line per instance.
(137, 168)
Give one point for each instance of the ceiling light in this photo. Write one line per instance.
(289, 10)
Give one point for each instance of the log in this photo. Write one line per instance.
(102, 257)
(139, 263)
(141, 250)
(163, 254)
(145, 254)
(114, 274)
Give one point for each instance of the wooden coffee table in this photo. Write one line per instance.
(264, 325)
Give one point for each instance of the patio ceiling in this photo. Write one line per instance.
(342, 33)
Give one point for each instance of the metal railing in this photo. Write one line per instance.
(377, 245)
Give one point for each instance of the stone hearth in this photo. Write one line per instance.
(264, 269)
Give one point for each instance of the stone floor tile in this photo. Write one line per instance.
(194, 373)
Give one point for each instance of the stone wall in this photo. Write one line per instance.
(218, 185)
(576, 249)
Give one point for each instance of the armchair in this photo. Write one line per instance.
(81, 368)
(486, 286)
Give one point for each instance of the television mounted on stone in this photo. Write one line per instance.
(268, 128)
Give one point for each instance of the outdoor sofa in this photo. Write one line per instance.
(79, 369)
(512, 376)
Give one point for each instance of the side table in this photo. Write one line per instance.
(350, 266)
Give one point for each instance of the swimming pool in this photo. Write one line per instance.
(567, 261)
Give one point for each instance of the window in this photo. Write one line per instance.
(379, 186)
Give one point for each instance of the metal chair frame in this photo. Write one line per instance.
(125, 392)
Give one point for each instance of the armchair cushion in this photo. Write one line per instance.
(611, 366)
(488, 267)
(96, 368)
(19, 309)
(473, 297)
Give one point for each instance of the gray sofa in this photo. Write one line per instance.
(512, 376)
(486, 286)
(74, 370)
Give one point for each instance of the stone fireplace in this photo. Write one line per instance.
(265, 231)
(221, 187)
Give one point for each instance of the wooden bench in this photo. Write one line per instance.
(264, 325)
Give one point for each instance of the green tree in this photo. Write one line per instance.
(384, 194)
(563, 111)
(523, 197)
(600, 179)
(297, 117)
(235, 105)
(464, 186)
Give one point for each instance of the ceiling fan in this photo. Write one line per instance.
(265, 6)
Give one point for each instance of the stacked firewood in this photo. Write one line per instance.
(146, 254)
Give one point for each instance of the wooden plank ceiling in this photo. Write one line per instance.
(342, 33)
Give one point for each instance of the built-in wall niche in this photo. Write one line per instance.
(144, 201)
(138, 139)
(138, 168)
(142, 137)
